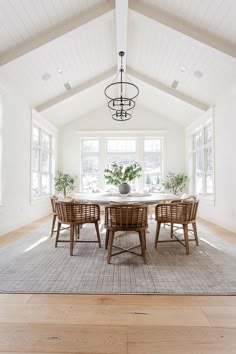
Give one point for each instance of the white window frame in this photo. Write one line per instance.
(1, 147)
(103, 137)
(84, 154)
(199, 126)
(41, 149)
(150, 153)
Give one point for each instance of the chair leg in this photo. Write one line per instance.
(107, 238)
(77, 230)
(110, 243)
(195, 232)
(98, 234)
(157, 233)
(171, 230)
(142, 237)
(58, 233)
(185, 226)
(53, 224)
(71, 239)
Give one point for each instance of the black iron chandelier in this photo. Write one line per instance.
(121, 95)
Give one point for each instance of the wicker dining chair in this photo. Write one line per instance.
(53, 200)
(173, 227)
(76, 214)
(126, 217)
(180, 213)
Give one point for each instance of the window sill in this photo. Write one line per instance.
(43, 197)
(209, 200)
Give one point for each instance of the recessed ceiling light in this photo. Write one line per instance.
(46, 77)
(67, 86)
(174, 84)
(182, 68)
(198, 74)
(59, 70)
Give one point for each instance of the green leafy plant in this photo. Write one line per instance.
(175, 183)
(118, 173)
(64, 182)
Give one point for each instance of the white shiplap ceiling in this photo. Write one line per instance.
(80, 37)
(77, 105)
(167, 50)
(217, 17)
(25, 20)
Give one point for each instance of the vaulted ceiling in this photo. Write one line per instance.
(47, 43)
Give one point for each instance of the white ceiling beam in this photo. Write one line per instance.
(184, 27)
(56, 32)
(121, 30)
(88, 84)
(172, 92)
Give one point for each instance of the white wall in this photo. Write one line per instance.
(223, 210)
(101, 121)
(17, 209)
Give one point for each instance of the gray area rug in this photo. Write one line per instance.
(33, 265)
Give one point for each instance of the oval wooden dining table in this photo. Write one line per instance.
(106, 198)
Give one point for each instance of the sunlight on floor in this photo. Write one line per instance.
(209, 243)
(43, 239)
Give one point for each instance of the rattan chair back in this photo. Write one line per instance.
(177, 212)
(125, 217)
(53, 199)
(70, 212)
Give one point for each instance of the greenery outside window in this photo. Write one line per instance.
(98, 153)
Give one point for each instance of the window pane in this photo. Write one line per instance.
(90, 145)
(208, 159)
(45, 184)
(35, 160)
(197, 140)
(45, 162)
(35, 135)
(152, 145)
(45, 140)
(124, 160)
(90, 164)
(208, 134)
(41, 162)
(35, 184)
(209, 183)
(152, 163)
(121, 145)
(152, 182)
(89, 183)
(198, 183)
(199, 161)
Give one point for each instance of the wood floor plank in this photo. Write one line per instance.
(63, 339)
(14, 298)
(147, 300)
(181, 340)
(221, 316)
(103, 314)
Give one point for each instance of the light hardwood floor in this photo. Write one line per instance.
(131, 324)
